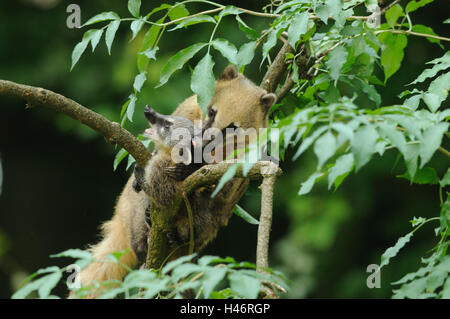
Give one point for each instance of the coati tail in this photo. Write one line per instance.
(103, 269)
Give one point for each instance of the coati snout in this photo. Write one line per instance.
(168, 131)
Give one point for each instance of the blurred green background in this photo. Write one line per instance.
(59, 183)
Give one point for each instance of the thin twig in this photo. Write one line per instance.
(425, 35)
(269, 174)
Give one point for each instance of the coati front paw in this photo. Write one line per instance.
(177, 172)
(138, 182)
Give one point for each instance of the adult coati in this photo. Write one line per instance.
(236, 101)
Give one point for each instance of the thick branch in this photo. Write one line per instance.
(112, 131)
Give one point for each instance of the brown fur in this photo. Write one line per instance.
(236, 100)
(128, 229)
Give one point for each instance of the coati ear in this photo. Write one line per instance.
(229, 73)
(267, 100)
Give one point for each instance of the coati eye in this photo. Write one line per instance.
(211, 112)
(166, 125)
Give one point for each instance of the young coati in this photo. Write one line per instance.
(128, 229)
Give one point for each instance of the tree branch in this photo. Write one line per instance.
(269, 173)
(112, 131)
(276, 69)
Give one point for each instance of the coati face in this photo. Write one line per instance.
(237, 102)
(168, 130)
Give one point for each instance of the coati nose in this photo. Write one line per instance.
(150, 114)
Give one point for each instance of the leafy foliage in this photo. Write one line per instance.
(337, 111)
(210, 277)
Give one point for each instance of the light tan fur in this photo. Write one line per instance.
(129, 217)
(236, 100)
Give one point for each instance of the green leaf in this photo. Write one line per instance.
(227, 49)
(194, 20)
(426, 30)
(111, 33)
(104, 16)
(136, 26)
(78, 51)
(229, 10)
(446, 179)
(139, 81)
(344, 164)
(430, 141)
(322, 12)
(392, 53)
(324, 148)
(411, 155)
(270, 43)
(239, 211)
(130, 108)
(23, 292)
(414, 5)
(363, 145)
(446, 21)
(371, 92)
(307, 142)
(249, 32)
(245, 54)
(393, 251)
(95, 38)
(48, 283)
(229, 174)
(437, 92)
(334, 8)
(202, 82)
(150, 53)
(148, 44)
(426, 175)
(134, 7)
(394, 136)
(119, 157)
(413, 102)
(336, 60)
(309, 183)
(177, 61)
(211, 278)
(245, 286)
(178, 11)
(175, 263)
(393, 14)
(442, 64)
(74, 253)
(297, 28)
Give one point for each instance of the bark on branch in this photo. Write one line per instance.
(112, 131)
